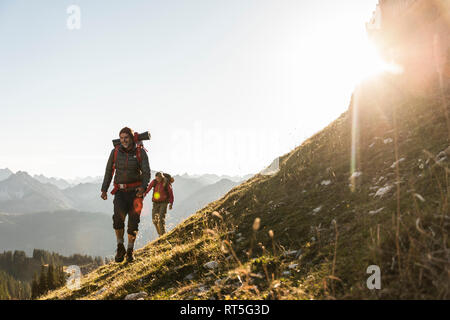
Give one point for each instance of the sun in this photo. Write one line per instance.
(368, 62)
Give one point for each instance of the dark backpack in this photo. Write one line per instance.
(169, 180)
(168, 177)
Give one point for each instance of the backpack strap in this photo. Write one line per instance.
(167, 183)
(116, 151)
(139, 148)
(138, 153)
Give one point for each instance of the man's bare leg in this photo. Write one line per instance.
(131, 240)
(119, 235)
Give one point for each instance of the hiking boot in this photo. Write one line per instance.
(120, 253)
(130, 257)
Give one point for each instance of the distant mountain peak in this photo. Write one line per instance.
(21, 174)
(5, 174)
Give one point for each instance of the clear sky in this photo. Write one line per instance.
(223, 86)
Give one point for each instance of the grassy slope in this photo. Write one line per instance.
(408, 238)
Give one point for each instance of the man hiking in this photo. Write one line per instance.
(132, 174)
(162, 195)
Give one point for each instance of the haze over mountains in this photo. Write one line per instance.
(68, 216)
(5, 173)
(21, 193)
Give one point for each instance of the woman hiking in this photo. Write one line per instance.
(162, 195)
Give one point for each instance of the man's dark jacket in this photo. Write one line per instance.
(128, 169)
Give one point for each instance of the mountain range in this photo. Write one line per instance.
(51, 213)
(21, 193)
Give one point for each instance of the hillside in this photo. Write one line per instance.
(17, 270)
(369, 189)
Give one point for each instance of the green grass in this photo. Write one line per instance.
(408, 238)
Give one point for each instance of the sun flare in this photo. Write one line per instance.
(369, 63)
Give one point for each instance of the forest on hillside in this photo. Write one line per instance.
(23, 277)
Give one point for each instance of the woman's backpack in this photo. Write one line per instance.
(168, 180)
